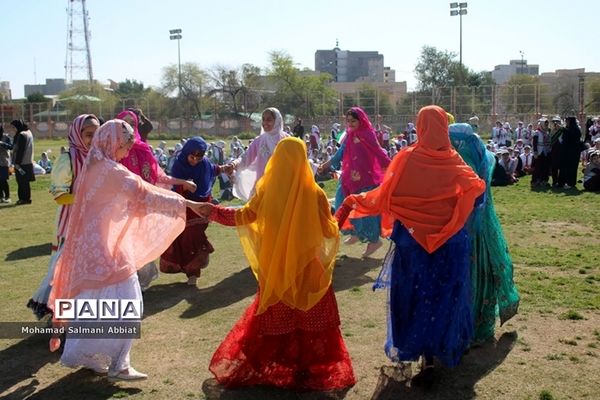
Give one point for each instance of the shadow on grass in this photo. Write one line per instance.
(349, 272)
(230, 290)
(29, 252)
(449, 384)
(23, 360)
(80, 384)
(212, 391)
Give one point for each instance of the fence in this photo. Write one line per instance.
(512, 103)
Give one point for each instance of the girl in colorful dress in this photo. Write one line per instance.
(427, 195)
(289, 336)
(64, 176)
(250, 167)
(491, 266)
(189, 253)
(363, 163)
(113, 212)
(141, 161)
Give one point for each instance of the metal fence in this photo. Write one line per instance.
(510, 103)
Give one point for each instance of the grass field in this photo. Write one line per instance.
(550, 350)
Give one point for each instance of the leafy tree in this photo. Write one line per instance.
(37, 98)
(193, 87)
(300, 92)
(592, 96)
(130, 89)
(436, 68)
(105, 107)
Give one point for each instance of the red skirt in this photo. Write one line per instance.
(286, 348)
(189, 252)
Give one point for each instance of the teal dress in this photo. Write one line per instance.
(367, 229)
(493, 290)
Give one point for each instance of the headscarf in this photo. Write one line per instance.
(364, 161)
(250, 170)
(203, 174)
(77, 153)
(427, 187)
(140, 159)
(19, 125)
(292, 243)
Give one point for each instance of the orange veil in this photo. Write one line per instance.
(292, 243)
(427, 187)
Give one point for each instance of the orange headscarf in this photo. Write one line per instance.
(292, 241)
(427, 187)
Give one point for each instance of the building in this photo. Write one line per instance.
(52, 87)
(502, 73)
(353, 66)
(5, 92)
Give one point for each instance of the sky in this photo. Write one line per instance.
(130, 38)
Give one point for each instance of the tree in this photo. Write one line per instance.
(37, 98)
(130, 89)
(235, 85)
(193, 86)
(592, 96)
(435, 68)
(105, 107)
(300, 92)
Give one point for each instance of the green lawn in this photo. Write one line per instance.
(552, 346)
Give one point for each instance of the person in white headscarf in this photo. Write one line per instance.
(315, 138)
(250, 167)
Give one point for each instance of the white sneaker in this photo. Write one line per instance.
(129, 374)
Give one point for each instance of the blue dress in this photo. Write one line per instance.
(367, 229)
(429, 302)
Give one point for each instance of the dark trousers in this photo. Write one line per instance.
(23, 182)
(541, 169)
(4, 189)
(592, 184)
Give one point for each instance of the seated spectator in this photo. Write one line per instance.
(509, 165)
(517, 157)
(45, 163)
(527, 160)
(591, 173)
(499, 175)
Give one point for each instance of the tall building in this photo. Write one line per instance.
(5, 92)
(353, 66)
(502, 73)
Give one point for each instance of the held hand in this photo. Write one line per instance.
(228, 169)
(202, 209)
(190, 186)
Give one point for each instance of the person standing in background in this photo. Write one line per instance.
(22, 159)
(5, 148)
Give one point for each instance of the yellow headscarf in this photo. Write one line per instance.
(287, 231)
(451, 119)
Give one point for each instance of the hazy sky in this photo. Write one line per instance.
(130, 38)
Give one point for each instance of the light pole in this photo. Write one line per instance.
(462, 10)
(522, 62)
(175, 34)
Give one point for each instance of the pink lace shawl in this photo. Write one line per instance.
(114, 214)
(140, 159)
(364, 161)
